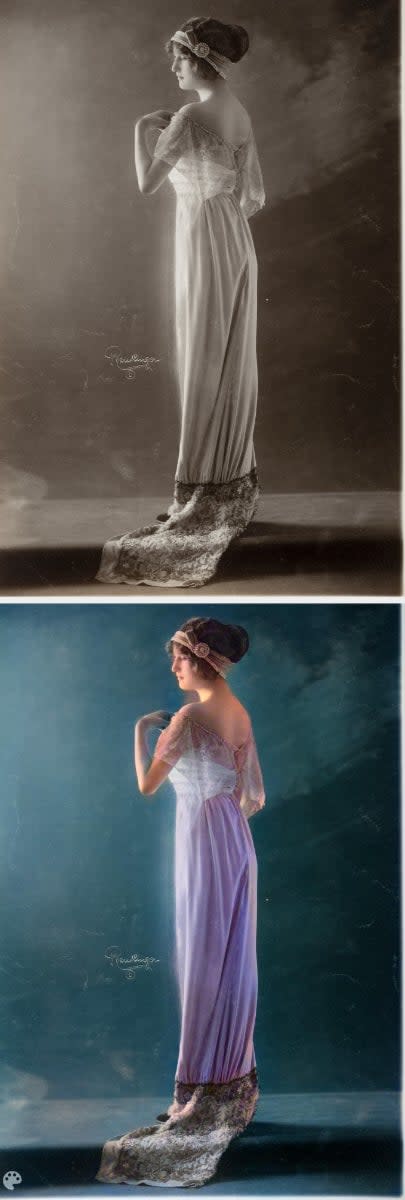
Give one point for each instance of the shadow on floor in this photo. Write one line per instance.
(276, 1149)
(302, 551)
(338, 1159)
(262, 552)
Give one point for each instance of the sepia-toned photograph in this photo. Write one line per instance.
(200, 317)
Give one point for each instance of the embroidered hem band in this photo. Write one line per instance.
(184, 551)
(186, 1149)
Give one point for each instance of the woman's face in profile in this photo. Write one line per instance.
(183, 670)
(185, 73)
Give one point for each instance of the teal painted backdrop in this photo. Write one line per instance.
(88, 993)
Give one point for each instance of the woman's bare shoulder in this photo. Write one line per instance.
(196, 711)
(190, 109)
(186, 710)
(242, 717)
(242, 112)
(232, 123)
(198, 113)
(234, 726)
(189, 710)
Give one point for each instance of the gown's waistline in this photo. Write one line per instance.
(184, 192)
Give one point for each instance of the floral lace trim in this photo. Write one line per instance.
(202, 161)
(232, 487)
(218, 136)
(220, 1091)
(185, 1150)
(214, 733)
(185, 550)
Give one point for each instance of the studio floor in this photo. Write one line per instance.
(297, 1145)
(306, 544)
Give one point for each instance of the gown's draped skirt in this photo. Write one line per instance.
(216, 488)
(216, 1086)
(216, 881)
(216, 315)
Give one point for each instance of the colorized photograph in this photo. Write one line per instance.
(200, 957)
(200, 301)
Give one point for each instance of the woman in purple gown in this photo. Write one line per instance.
(208, 750)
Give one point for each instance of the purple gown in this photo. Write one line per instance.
(218, 787)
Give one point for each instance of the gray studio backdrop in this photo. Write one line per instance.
(88, 388)
(88, 994)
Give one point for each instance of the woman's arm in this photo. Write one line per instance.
(150, 773)
(151, 172)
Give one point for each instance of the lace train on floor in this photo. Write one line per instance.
(185, 1151)
(185, 550)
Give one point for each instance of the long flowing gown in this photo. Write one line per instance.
(218, 787)
(218, 188)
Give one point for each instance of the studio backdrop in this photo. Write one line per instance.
(88, 990)
(89, 393)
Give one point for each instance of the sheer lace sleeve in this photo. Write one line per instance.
(250, 188)
(202, 163)
(251, 789)
(175, 141)
(172, 741)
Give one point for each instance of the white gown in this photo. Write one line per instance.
(218, 187)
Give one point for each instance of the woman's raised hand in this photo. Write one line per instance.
(159, 119)
(160, 718)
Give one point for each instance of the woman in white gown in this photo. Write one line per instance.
(208, 151)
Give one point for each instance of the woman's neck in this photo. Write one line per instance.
(207, 89)
(210, 689)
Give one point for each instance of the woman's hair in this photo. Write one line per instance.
(230, 40)
(230, 640)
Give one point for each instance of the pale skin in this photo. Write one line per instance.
(217, 708)
(222, 112)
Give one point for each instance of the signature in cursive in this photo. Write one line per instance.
(131, 363)
(129, 966)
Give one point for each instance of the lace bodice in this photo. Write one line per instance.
(204, 164)
(203, 765)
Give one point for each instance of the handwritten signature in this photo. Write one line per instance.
(129, 364)
(131, 965)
